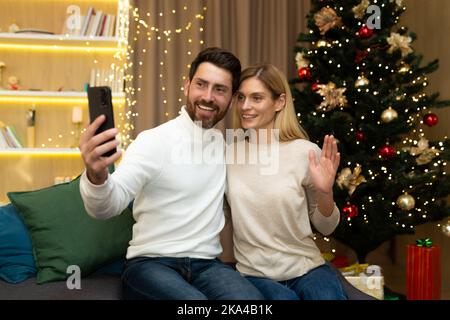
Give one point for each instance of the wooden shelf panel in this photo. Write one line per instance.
(40, 152)
(27, 39)
(52, 94)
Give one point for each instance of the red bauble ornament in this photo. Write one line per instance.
(315, 86)
(365, 32)
(350, 210)
(360, 136)
(430, 119)
(304, 73)
(387, 152)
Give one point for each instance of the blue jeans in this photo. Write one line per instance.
(321, 283)
(165, 278)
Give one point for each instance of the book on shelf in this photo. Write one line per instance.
(96, 23)
(87, 18)
(111, 26)
(92, 31)
(3, 142)
(9, 137)
(101, 27)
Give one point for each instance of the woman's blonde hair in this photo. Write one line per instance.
(275, 81)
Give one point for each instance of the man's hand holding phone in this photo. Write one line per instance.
(93, 147)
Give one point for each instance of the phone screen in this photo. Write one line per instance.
(100, 102)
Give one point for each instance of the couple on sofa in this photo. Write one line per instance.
(179, 205)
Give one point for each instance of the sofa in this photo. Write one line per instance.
(101, 287)
(46, 232)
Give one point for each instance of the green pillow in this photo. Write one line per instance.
(63, 234)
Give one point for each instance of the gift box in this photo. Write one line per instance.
(423, 271)
(367, 278)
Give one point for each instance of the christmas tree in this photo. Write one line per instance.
(360, 80)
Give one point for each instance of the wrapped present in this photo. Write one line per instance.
(423, 271)
(354, 269)
(367, 278)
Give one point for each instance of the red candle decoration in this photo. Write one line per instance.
(350, 210)
(365, 32)
(387, 152)
(430, 119)
(304, 73)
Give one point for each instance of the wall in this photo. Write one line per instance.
(429, 20)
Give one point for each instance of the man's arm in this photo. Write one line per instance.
(95, 189)
(142, 163)
(92, 148)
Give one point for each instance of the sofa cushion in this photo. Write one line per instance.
(63, 234)
(16, 256)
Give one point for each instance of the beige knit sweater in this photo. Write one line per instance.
(272, 213)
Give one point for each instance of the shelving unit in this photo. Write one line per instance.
(53, 70)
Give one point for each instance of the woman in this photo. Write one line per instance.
(271, 212)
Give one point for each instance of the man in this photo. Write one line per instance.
(177, 204)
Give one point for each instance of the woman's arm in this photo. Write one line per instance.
(323, 174)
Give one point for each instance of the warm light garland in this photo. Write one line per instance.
(149, 33)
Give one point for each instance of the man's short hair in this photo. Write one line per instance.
(220, 58)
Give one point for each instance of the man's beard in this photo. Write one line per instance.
(207, 123)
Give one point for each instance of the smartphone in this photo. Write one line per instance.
(100, 102)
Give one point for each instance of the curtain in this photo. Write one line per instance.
(254, 30)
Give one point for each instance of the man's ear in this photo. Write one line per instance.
(187, 82)
(280, 103)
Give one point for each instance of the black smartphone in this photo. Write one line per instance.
(100, 102)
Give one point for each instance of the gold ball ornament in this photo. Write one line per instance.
(446, 228)
(388, 115)
(404, 69)
(321, 43)
(361, 82)
(406, 202)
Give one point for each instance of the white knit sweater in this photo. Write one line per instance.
(178, 204)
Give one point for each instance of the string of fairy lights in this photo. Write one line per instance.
(117, 67)
(128, 36)
(146, 33)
